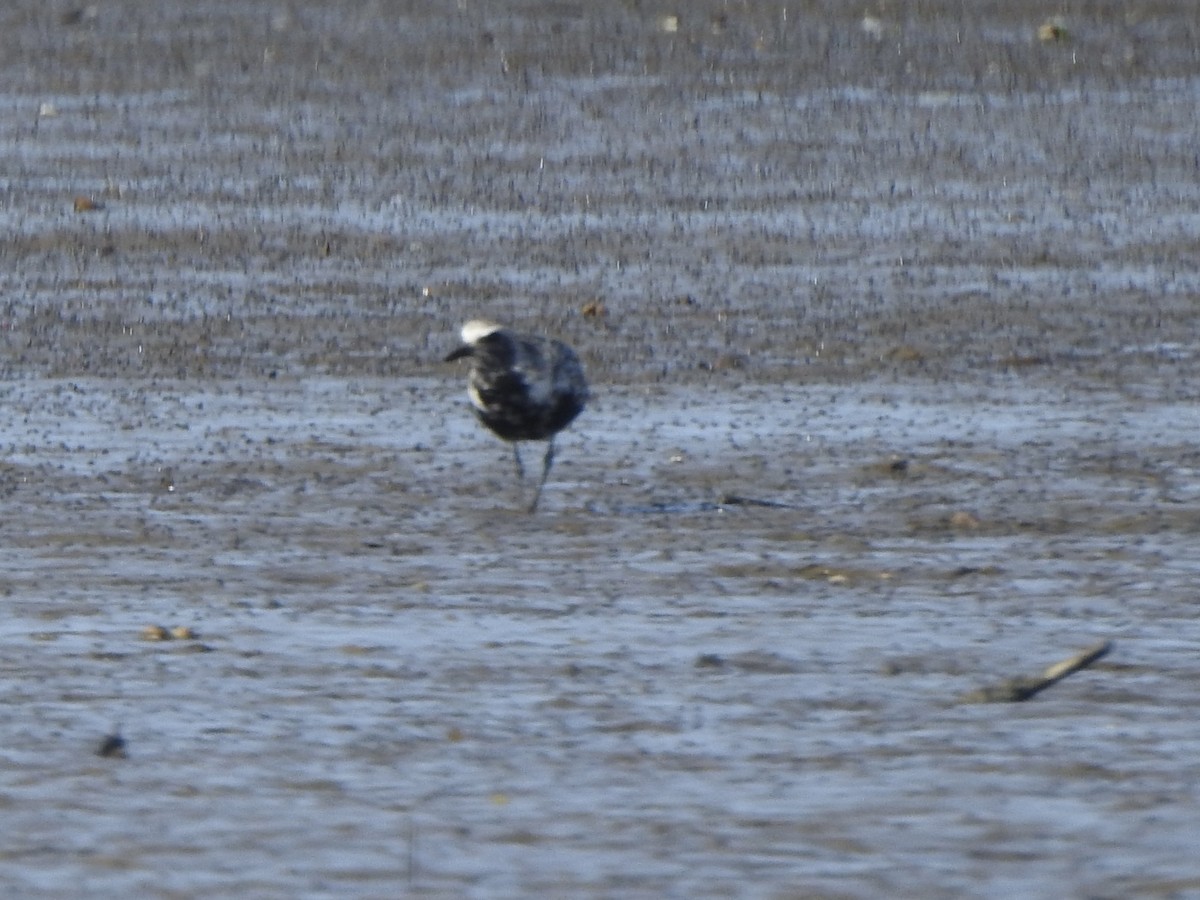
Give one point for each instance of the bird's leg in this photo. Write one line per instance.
(517, 459)
(547, 462)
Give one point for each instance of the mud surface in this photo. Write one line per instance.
(891, 323)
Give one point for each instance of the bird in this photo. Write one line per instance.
(522, 387)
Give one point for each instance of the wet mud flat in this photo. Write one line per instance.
(398, 681)
(890, 322)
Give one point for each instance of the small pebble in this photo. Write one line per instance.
(1053, 31)
(963, 519)
(112, 747)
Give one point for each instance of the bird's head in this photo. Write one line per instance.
(477, 329)
(473, 332)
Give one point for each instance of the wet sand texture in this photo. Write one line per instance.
(889, 315)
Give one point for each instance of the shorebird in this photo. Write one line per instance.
(523, 387)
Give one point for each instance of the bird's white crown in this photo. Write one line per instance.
(476, 329)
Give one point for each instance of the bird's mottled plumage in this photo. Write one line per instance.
(522, 387)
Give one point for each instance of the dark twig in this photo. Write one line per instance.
(1014, 690)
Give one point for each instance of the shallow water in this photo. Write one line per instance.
(891, 333)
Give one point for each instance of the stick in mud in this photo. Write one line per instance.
(737, 500)
(1014, 690)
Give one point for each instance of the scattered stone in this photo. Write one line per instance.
(967, 571)
(905, 353)
(79, 15)
(728, 362)
(175, 632)
(197, 647)
(1019, 361)
(1053, 31)
(819, 572)
(113, 746)
(759, 662)
(964, 521)
(764, 663)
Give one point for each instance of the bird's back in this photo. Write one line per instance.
(525, 387)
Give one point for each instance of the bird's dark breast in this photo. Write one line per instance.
(513, 418)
